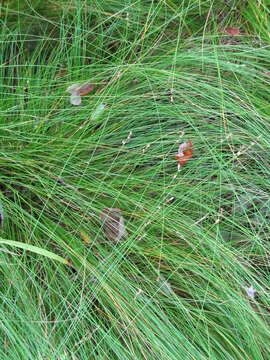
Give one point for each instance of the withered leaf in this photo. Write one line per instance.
(185, 152)
(113, 224)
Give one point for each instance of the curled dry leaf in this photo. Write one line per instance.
(113, 224)
(73, 88)
(85, 89)
(185, 152)
(77, 90)
(232, 31)
(75, 99)
(251, 292)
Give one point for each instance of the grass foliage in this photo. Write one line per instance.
(166, 71)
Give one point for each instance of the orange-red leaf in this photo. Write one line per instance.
(185, 153)
(232, 31)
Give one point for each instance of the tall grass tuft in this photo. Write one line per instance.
(197, 236)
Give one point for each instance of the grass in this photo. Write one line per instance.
(197, 237)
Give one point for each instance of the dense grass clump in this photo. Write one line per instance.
(163, 72)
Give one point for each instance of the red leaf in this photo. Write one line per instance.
(232, 31)
(185, 153)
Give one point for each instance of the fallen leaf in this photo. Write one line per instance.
(73, 88)
(85, 89)
(75, 99)
(77, 90)
(251, 292)
(232, 31)
(113, 224)
(185, 152)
